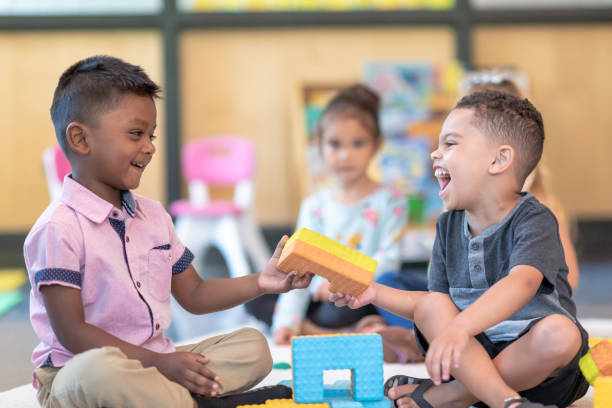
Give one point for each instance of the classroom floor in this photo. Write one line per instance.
(17, 340)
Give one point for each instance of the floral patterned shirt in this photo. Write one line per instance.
(373, 226)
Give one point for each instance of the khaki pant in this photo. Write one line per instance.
(105, 377)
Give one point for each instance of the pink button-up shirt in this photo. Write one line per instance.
(122, 261)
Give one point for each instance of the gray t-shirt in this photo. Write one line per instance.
(465, 267)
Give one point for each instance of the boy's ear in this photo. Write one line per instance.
(504, 158)
(76, 138)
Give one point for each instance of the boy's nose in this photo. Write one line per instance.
(149, 147)
(435, 154)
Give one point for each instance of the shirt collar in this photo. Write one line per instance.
(489, 231)
(83, 200)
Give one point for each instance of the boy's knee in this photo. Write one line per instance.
(556, 337)
(258, 346)
(430, 306)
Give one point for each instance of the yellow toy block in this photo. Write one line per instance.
(284, 403)
(348, 270)
(597, 362)
(602, 396)
(594, 340)
(289, 403)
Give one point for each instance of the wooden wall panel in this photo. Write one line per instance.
(571, 84)
(242, 81)
(30, 65)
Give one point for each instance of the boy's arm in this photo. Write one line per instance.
(65, 310)
(502, 300)
(204, 296)
(396, 301)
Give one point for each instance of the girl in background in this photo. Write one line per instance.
(357, 212)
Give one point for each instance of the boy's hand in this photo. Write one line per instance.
(322, 293)
(444, 353)
(271, 280)
(189, 370)
(283, 336)
(366, 297)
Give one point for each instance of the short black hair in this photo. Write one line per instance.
(509, 120)
(93, 86)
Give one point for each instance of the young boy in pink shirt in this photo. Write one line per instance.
(103, 262)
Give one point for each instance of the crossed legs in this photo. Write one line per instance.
(549, 345)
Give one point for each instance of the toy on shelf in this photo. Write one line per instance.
(597, 362)
(348, 270)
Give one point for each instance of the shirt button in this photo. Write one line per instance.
(115, 214)
(138, 283)
(475, 246)
(477, 268)
(127, 239)
(156, 326)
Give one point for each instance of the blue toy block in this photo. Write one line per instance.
(344, 403)
(360, 353)
(339, 389)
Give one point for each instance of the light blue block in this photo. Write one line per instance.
(339, 389)
(361, 353)
(347, 403)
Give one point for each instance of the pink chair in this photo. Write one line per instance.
(56, 168)
(227, 225)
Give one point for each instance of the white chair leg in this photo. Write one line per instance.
(253, 240)
(227, 239)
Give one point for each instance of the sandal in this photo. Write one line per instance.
(417, 394)
(401, 380)
(525, 403)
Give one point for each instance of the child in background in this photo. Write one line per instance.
(536, 182)
(359, 213)
(498, 316)
(103, 261)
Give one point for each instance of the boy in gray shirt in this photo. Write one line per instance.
(498, 315)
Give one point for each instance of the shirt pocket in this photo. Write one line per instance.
(159, 272)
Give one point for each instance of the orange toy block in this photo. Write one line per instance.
(597, 362)
(348, 270)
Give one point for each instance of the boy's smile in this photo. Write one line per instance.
(461, 161)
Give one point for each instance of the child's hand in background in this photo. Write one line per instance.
(271, 280)
(366, 297)
(322, 293)
(283, 336)
(189, 370)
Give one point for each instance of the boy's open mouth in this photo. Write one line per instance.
(139, 165)
(443, 177)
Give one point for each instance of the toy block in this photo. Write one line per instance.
(348, 270)
(289, 403)
(347, 403)
(283, 403)
(594, 340)
(602, 395)
(360, 353)
(339, 389)
(597, 362)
